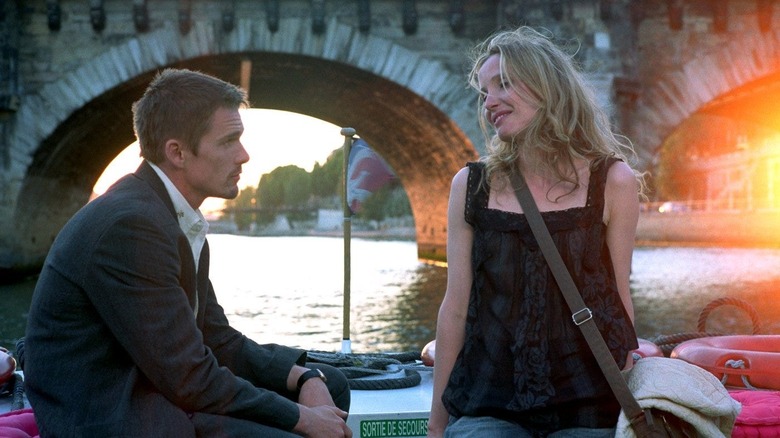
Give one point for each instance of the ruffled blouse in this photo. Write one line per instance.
(524, 359)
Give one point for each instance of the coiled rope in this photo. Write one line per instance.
(667, 343)
(374, 371)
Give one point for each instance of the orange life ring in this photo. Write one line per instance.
(749, 361)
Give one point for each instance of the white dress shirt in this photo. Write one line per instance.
(191, 221)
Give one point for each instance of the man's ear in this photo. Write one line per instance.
(174, 152)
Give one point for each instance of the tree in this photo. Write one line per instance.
(397, 204)
(246, 199)
(287, 187)
(389, 201)
(326, 179)
(296, 192)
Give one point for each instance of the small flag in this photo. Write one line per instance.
(367, 172)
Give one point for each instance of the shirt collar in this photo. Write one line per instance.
(191, 221)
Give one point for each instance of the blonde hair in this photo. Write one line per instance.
(568, 123)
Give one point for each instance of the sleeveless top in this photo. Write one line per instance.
(523, 358)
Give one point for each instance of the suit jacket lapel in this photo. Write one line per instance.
(146, 173)
(203, 281)
(193, 286)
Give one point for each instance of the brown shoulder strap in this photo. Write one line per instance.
(581, 314)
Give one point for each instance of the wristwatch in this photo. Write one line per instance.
(311, 374)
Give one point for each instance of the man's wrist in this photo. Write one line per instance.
(310, 374)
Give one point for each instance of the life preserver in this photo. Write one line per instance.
(428, 353)
(740, 361)
(646, 349)
(7, 365)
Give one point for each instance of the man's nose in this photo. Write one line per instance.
(243, 157)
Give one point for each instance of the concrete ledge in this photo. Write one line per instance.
(722, 228)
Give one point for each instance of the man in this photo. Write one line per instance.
(125, 336)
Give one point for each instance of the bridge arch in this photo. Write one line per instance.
(414, 112)
(700, 86)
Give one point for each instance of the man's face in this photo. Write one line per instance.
(216, 169)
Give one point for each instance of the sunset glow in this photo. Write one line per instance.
(272, 138)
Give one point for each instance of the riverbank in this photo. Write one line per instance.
(690, 228)
(328, 224)
(399, 233)
(754, 229)
(723, 229)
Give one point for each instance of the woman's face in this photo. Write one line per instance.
(509, 109)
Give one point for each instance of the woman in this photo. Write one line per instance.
(509, 360)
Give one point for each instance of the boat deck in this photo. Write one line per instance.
(374, 413)
(392, 412)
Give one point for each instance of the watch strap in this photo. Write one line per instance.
(311, 374)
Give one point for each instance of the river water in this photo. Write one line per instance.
(289, 290)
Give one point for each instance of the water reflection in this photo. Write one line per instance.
(670, 287)
(13, 312)
(288, 290)
(409, 321)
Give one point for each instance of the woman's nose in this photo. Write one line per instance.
(490, 101)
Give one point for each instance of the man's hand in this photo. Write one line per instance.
(322, 421)
(315, 393)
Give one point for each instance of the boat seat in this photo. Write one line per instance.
(18, 424)
(760, 415)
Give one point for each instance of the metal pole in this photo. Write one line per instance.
(346, 343)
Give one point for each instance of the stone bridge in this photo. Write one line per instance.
(392, 69)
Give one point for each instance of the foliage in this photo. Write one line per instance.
(246, 199)
(326, 179)
(389, 201)
(288, 186)
(397, 204)
(287, 189)
(298, 193)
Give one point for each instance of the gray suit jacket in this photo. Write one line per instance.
(112, 347)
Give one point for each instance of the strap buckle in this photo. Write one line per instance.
(582, 316)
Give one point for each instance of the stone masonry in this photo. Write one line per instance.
(394, 70)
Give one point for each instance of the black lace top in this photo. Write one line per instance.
(523, 359)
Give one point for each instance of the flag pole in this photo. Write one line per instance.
(346, 343)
